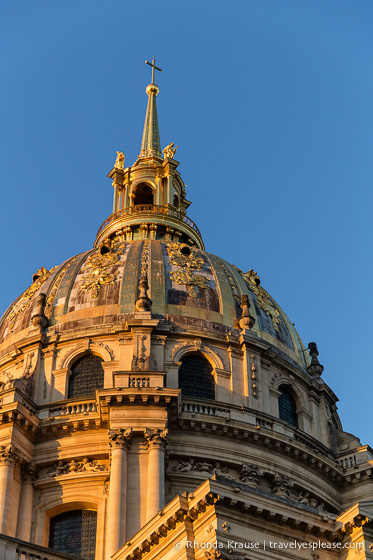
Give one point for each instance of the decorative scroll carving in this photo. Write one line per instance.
(87, 344)
(141, 354)
(189, 260)
(211, 469)
(262, 297)
(195, 344)
(156, 437)
(24, 303)
(28, 472)
(303, 498)
(106, 347)
(120, 437)
(85, 465)
(96, 269)
(226, 527)
(253, 377)
(8, 455)
(281, 485)
(185, 466)
(251, 475)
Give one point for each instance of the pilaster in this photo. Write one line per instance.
(119, 441)
(156, 440)
(8, 460)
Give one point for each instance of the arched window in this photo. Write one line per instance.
(143, 194)
(287, 407)
(87, 375)
(195, 377)
(176, 201)
(74, 532)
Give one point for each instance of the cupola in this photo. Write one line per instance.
(149, 197)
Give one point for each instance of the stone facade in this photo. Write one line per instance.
(163, 468)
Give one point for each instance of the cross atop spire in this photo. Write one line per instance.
(151, 143)
(154, 67)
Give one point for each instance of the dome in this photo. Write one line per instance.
(188, 287)
(144, 377)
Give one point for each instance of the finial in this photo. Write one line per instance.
(154, 67)
(245, 321)
(315, 368)
(151, 143)
(39, 318)
(143, 302)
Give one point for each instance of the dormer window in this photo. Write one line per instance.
(287, 407)
(87, 375)
(195, 378)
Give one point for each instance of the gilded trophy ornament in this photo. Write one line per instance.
(189, 261)
(262, 297)
(96, 269)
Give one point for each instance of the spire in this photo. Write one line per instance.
(151, 143)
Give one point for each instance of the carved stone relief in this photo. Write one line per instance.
(73, 467)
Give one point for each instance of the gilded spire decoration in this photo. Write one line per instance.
(151, 143)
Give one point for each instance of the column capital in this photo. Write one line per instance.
(8, 455)
(120, 438)
(155, 438)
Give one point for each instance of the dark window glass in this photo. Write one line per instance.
(74, 532)
(195, 378)
(287, 407)
(143, 194)
(87, 375)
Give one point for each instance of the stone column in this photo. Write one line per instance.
(8, 459)
(115, 202)
(126, 196)
(156, 440)
(169, 190)
(28, 475)
(116, 519)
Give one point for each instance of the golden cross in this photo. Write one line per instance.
(152, 64)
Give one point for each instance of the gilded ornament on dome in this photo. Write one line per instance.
(24, 303)
(96, 269)
(189, 261)
(232, 282)
(262, 297)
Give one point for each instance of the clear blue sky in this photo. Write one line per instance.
(271, 104)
